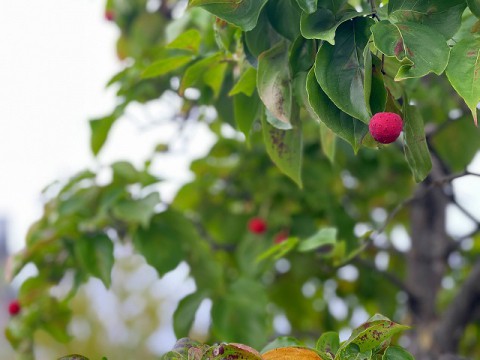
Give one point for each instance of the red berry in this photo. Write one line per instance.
(14, 308)
(280, 237)
(109, 15)
(257, 225)
(385, 127)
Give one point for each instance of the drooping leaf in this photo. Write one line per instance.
(99, 129)
(416, 149)
(463, 72)
(284, 15)
(397, 353)
(302, 55)
(342, 124)
(328, 141)
(340, 69)
(323, 24)
(189, 40)
(185, 313)
(243, 13)
(95, 256)
(165, 66)
(443, 16)
(260, 39)
(378, 92)
(247, 110)
(285, 147)
(308, 6)
(421, 49)
(273, 82)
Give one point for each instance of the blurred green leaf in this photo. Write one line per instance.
(185, 313)
(326, 237)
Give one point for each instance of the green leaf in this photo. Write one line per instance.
(243, 13)
(280, 342)
(274, 83)
(308, 6)
(416, 149)
(326, 237)
(95, 256)
(443, 16)
(474, 6)
(246, 110)
(463, 72)
(421, 49)
(210, 71)
(397, 353)
(231, 351)
(378, 92)
(185, 313)
(236, 307)
(124, 173)
(342, 124)
(328, 141)
(99, 129)
(285, 147)
(189, 40)
(137, 211)
(246, 84)
(353, 352)
(302, 55)
(328, 343)
(165, 66)
(340, 69)
(368, 337)
(279, 250)
(164, 243)
(323, 23)
(284, 16)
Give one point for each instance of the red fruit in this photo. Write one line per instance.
(109, 15)
(257, 225)
(14, 308)
(385, 127)
(280, 237)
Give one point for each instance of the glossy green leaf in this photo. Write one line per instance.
(185, 313)
(474, 6)
(326, 237)
(421, 49)
(284, 16)
(308, 6)
(189, 40)
(352, 352)
(397, 353)
(340, 69)
(137, 211)
(302, 55)
(280, 342)
(463, 72)
(246, 84)
(342, 124)
(260, 39)
(328, 343)
(164, 242)
(247, 110)
(273, 82)
(243, 13)
(378, 92)
(416, 149)
(443, 16)
(165, 66)
(285, 147)
(323, 23)
(95, 256)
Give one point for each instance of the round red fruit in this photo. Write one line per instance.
(257, 225)
(385, 127)
(14, 308)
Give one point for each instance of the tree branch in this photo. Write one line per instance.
(459, 313)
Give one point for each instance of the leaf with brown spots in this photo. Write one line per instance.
(291, 353)
(231, 351)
